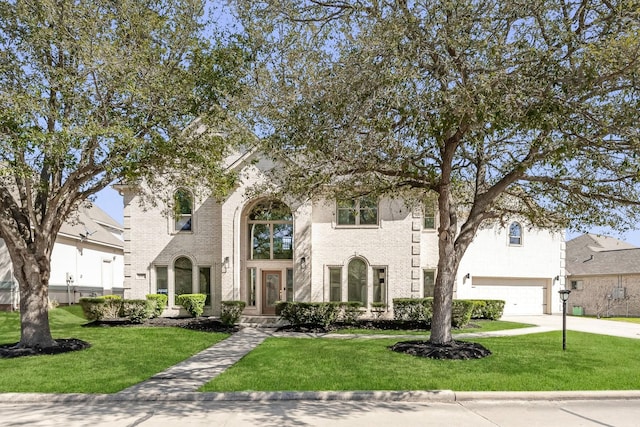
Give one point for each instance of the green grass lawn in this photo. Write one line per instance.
(624, 319)
(528, 362)
(480, 326)
(119, 356)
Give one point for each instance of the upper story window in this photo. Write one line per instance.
(515, 234)
(183, 210)
(360, 211)
(270, 231)
(429, 218)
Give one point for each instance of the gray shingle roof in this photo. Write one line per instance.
(591, 254)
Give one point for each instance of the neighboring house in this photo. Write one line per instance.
(87, 260)
(261, 250)
(603, 275)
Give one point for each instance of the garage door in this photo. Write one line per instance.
(521, 296)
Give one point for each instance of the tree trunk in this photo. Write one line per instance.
(447, 268)
(33, 279)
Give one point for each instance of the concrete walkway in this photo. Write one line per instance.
(191, 374)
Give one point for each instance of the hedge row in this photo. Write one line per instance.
(462, 311)
(318, 313)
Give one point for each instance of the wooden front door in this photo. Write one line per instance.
(271, 285)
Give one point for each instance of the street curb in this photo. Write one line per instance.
(442, 396)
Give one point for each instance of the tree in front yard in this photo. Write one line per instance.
(497, 109)
(92, 92)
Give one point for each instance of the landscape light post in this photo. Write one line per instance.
(564, 296)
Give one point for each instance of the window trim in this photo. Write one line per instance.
(357, 209)
(339, 269)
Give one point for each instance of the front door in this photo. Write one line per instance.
(271, 284)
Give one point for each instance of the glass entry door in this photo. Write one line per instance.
(271, 285)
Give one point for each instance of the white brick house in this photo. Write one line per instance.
(87, 260)
(262, 250)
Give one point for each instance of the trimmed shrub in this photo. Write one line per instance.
(349, 312)
(93, 308)
(112, 307)
(478, 308)
(461, 312)
(378, 308)
(161, 303)
(493, 309)
(193, 303)
(231, 312)
(137, 310)
(413, 309)
(112, 296)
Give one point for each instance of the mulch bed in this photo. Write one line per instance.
(455, 350)
(64, 345)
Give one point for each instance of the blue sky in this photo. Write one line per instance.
(111, 202)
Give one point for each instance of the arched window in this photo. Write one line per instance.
(358, 281)
(183, 277)
(183, 210)
(515, 234)
(270, 231)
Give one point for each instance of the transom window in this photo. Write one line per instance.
(360, 211)
(270, 231)
(515, 234)
(183, 210)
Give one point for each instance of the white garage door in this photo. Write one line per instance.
(521, 296)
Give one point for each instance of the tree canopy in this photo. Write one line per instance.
(97, 91)
(499, 108)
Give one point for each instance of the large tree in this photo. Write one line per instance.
(497, 108)
(97, 91)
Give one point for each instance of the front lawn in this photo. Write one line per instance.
(119, 356)
(527, 362)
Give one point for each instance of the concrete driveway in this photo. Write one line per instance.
(581, 324)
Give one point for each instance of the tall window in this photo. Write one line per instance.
(162, 281)
(515, 234)
(358, 281)
(429, 219)
(204, 283)
(429, 283)
(183, 278)
(251, 287)
(360, 211)
(289, 284)
(271, 231)
(335, 283)
(183, 210)
(379, 285)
